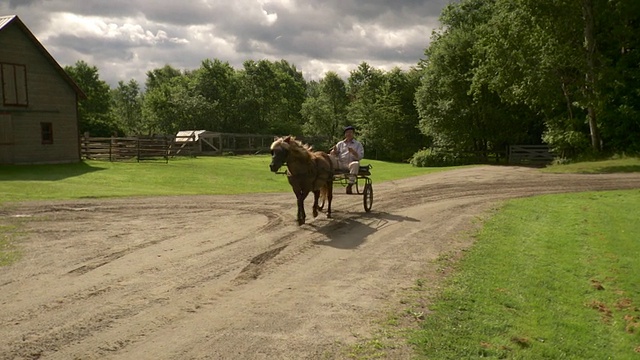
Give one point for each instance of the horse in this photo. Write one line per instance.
(307, 171)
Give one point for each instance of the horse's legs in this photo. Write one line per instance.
(301, 214)
(316, 196)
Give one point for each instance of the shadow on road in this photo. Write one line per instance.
(352, 230)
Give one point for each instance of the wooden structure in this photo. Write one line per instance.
(530, 154)
(126, 148)
(189, 143)
(38, 101)
(203, 142)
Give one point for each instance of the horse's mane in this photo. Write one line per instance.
(290, 143)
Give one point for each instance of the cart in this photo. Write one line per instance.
(363, 185)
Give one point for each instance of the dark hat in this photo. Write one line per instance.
(348, 128)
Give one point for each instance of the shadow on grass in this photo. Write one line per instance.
(48, 172)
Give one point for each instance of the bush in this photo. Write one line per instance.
(434, 158)
(566, 143)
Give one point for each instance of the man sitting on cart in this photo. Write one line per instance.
(347, 154)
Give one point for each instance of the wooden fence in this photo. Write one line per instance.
(213, 143)
(530, 154)
(125, 148)
(165, 147)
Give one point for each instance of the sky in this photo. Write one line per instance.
(125, 39)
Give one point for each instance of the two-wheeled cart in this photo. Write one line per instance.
(363, 185)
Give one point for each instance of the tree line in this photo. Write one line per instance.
(497, 72)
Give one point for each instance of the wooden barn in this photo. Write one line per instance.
(38, 111)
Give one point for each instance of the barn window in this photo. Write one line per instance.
(47, 132)
(14, 84)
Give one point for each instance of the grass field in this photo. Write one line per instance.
(206, 175)
(549, 277)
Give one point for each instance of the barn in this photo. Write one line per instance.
(39, 107)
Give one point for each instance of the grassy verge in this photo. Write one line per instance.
(549, 277)
(614, 165)
(207, 175)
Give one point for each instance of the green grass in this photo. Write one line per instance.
(614, 165)
(550, 277)
(206, 175)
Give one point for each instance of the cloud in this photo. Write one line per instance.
(127, 38)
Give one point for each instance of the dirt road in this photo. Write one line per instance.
(233, 277)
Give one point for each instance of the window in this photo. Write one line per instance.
(47, 132)
(14, 84)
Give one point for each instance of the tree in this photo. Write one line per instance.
(94, 112)
(271, 97)
(175, 104)
(291, 93)
(127, 108)
(551, 55)
(217, 83)
(334, 90)
(397, 130)
(457, 115)
(157, 77)
(325, 108)
(618, 42)
(382, 108)
(255, 96)
(364, 87)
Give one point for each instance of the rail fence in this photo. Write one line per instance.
(169, 146)
(165, 147)
(128, 148)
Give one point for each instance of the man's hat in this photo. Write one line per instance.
(349, 128)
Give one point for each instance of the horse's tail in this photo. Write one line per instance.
(327, 188)
(324, 194)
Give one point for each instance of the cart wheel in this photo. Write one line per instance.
(367, 197)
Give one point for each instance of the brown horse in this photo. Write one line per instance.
(308, 171)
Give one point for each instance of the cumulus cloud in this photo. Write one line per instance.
(127, 38)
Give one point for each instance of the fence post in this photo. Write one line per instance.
(86, 145)
(111, 155)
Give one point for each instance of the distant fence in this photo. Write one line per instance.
(530, 154)
(168, 146)
(125, 148)
(214, 143)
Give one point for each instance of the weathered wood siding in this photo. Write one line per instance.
(51, 99)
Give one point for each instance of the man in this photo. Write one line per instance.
(347, 154)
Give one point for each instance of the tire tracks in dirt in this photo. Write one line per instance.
(191, 277)
(120, 278)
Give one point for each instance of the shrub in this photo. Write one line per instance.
(434, 158)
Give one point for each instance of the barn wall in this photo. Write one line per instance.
(51, 99)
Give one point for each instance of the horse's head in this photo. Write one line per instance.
(279, 153)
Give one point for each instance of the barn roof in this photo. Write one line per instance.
(6, 21)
